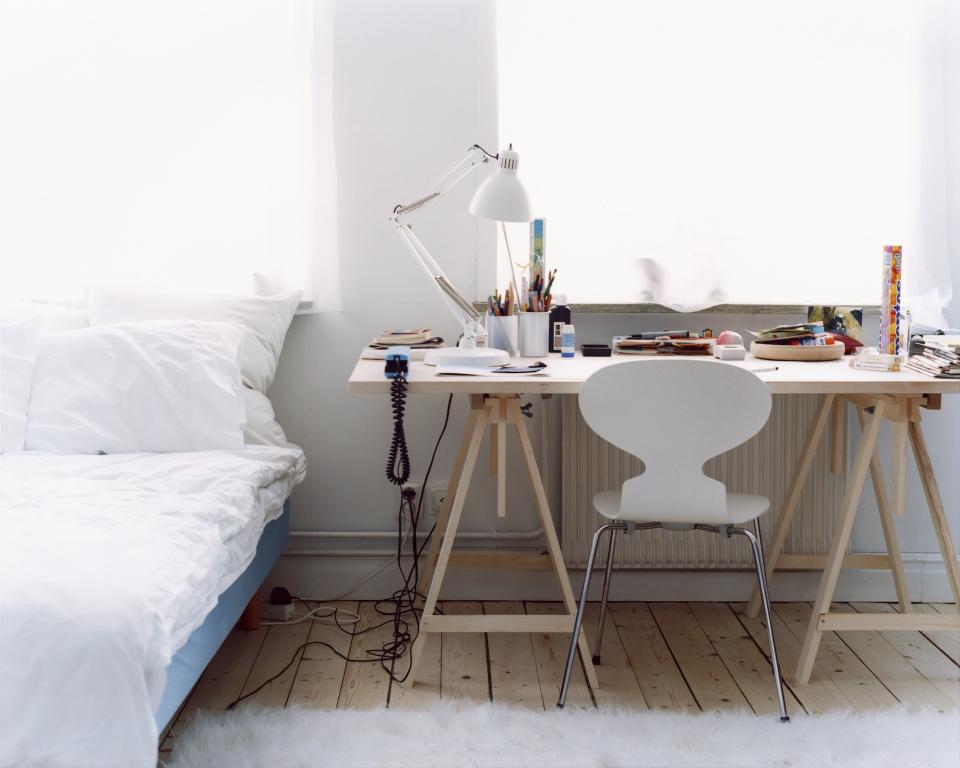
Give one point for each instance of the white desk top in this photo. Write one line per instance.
(566, 375)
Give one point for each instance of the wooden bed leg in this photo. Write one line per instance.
(250, 618)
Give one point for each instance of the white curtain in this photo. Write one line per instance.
(696, 152)
(167, 141)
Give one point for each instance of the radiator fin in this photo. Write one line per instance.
(764, 465)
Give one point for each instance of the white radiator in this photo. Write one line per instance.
(764, 465)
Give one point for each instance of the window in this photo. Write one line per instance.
(167, 141)
(697, 152)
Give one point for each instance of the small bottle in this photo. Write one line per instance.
(567, 341)
(559, 317)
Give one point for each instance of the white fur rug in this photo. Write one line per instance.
(462, 734)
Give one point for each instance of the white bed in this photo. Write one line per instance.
(107, 564)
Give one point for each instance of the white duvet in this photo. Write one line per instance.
(107, 564)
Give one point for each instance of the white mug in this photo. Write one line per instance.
(502, 332)
(534, 334)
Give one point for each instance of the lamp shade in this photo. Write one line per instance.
(502, 196)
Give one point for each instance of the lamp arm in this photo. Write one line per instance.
(470, 320)
(475, 156)
(468, 317)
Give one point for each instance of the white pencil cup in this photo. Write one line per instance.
(534, 334)
(502, 333)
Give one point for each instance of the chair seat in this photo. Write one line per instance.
(741, 508)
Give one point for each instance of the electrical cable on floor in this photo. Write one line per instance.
(314, 615)
(402, 601)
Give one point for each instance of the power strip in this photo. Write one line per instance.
(272, 612)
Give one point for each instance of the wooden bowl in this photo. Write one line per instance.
(805, 354)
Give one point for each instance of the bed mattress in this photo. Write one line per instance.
(107, 564)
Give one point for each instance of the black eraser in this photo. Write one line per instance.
(596, 350)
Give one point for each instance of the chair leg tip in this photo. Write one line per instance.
(559, 705)
(785, 719)
(596, 658)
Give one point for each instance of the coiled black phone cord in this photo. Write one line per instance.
(398, 460)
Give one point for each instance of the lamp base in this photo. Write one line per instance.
(478, 356)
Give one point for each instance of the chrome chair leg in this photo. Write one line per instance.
(578, 622)
(756, 532)
(598, 645)
(765, 598)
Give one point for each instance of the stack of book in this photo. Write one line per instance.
(419, 338)
(664, 345)
(796, 334)
(415, 336)
(939, 356)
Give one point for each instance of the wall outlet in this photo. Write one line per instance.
(413, 485)
(435, 495)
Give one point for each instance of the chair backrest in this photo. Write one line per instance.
(674, 415)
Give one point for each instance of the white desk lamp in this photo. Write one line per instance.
(501, 197)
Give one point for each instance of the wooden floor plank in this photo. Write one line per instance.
(319, 676)
(900, 677)
(550, 652)
(661, 681)
(821, 694)
(426, 689)
(223, 679)
(859, 685)
(619, 687)
(365, 685)
(638, 667)
(947, 640)
(513, 667)
(278, 648)
(926, 657)
(463, 658)
(705, 673)
(744, 661)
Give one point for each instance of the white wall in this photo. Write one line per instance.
(414, 87)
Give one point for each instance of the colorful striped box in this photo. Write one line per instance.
(890, 304)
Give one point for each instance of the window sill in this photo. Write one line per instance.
(719, 309)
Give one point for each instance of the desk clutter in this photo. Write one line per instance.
(419, 341)
(420, 338)
(665, 343)
(937, 356)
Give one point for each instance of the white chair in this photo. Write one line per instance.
(674, 414)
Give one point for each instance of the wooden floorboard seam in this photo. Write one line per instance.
(839, 636)
(786, 684)
(731, 672)
(676, 662)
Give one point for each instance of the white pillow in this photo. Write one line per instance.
(264, 318)
(138, 387)
(19, 339)
(261, 427)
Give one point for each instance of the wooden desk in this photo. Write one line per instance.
(897, 397)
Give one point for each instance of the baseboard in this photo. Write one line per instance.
(336, 577)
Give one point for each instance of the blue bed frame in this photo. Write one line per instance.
(190, 661)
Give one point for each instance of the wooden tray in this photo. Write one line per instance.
(786, 352)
